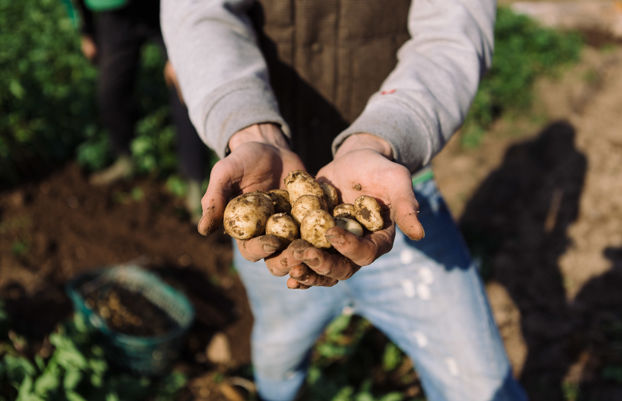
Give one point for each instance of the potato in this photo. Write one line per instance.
(368, 212)
(299, 182)
(314, 226)
(345, 210)
(350, 225)
(331, 195)
(246, 215)
(280, 200)
(283, 226)
(305, 204)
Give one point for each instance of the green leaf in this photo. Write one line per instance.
(391, 358)
(72, 379)
(48, 381)
(25, 391)
(73, 396)
(18, 369)
(112, 397)
(16, 89)
(395, 396)
(338, 325)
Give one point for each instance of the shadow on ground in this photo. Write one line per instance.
(517, 222)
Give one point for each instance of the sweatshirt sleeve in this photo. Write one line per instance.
(221, 71)
(426, 97)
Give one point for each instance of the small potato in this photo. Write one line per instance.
(246, 215)
(368, 212)
(283, 226)
(305, 204)
(344, 209)
(350, 225)
(314, 227)
(299, 182)
(280, 200)
(330, 194)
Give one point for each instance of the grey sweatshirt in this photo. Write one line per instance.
(423, 101)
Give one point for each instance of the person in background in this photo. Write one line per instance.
(364, 93)
(113, 32)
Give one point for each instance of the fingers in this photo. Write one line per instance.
(310, 266)
(334, 266)
(305, 277)
(215, 200)
(293, 284)
(361, 250)
(259, 248)
(404, 210)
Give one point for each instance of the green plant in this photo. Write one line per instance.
(77, 370)
(48, 110)
(524, 50)
(48, 102)
(344, 362)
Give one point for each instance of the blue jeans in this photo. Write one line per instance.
(426, 296)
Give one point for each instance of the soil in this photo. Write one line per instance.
(128, 312)
(539, 201)
(61, 226)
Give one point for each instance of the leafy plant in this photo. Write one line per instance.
(49, 113)
(345, 360)
(77, 370)
(524, 50)
(49, 101)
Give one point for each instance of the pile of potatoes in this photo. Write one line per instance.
(307, 209)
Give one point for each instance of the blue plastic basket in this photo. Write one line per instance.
(144, 355)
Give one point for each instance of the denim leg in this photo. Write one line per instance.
(287, 324)
(428, 298)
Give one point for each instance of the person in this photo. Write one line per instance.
(113, 33)
(364, 93)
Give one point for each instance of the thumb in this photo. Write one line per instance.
(213, 204)
(404, 210)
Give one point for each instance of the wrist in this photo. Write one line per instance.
(363, 140)
(268, 133)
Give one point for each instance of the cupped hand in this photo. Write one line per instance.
(362, 166)
(259, 161)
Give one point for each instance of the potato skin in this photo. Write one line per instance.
(283, 226)
(280, 200)
(299, 182)
(331, 195)
(345, 210)
(350, 225)
(314, 226)
(368, 212)
(246, 215)
(304, 205)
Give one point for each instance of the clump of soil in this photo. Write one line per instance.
(129, 312)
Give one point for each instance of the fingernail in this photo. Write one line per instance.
(268, 248)
(312, 262)
(336, 239)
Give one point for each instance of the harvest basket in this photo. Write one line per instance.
(143, 354)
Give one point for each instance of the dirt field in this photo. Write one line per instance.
(540, 202)
(541, 198)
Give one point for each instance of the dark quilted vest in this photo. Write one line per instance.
(326, 58)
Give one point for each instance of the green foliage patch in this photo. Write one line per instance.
(349, 361)
(49, 113)
(524, 50)
(49, 101)
(76, 371)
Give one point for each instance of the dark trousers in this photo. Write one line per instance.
(119, 36)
